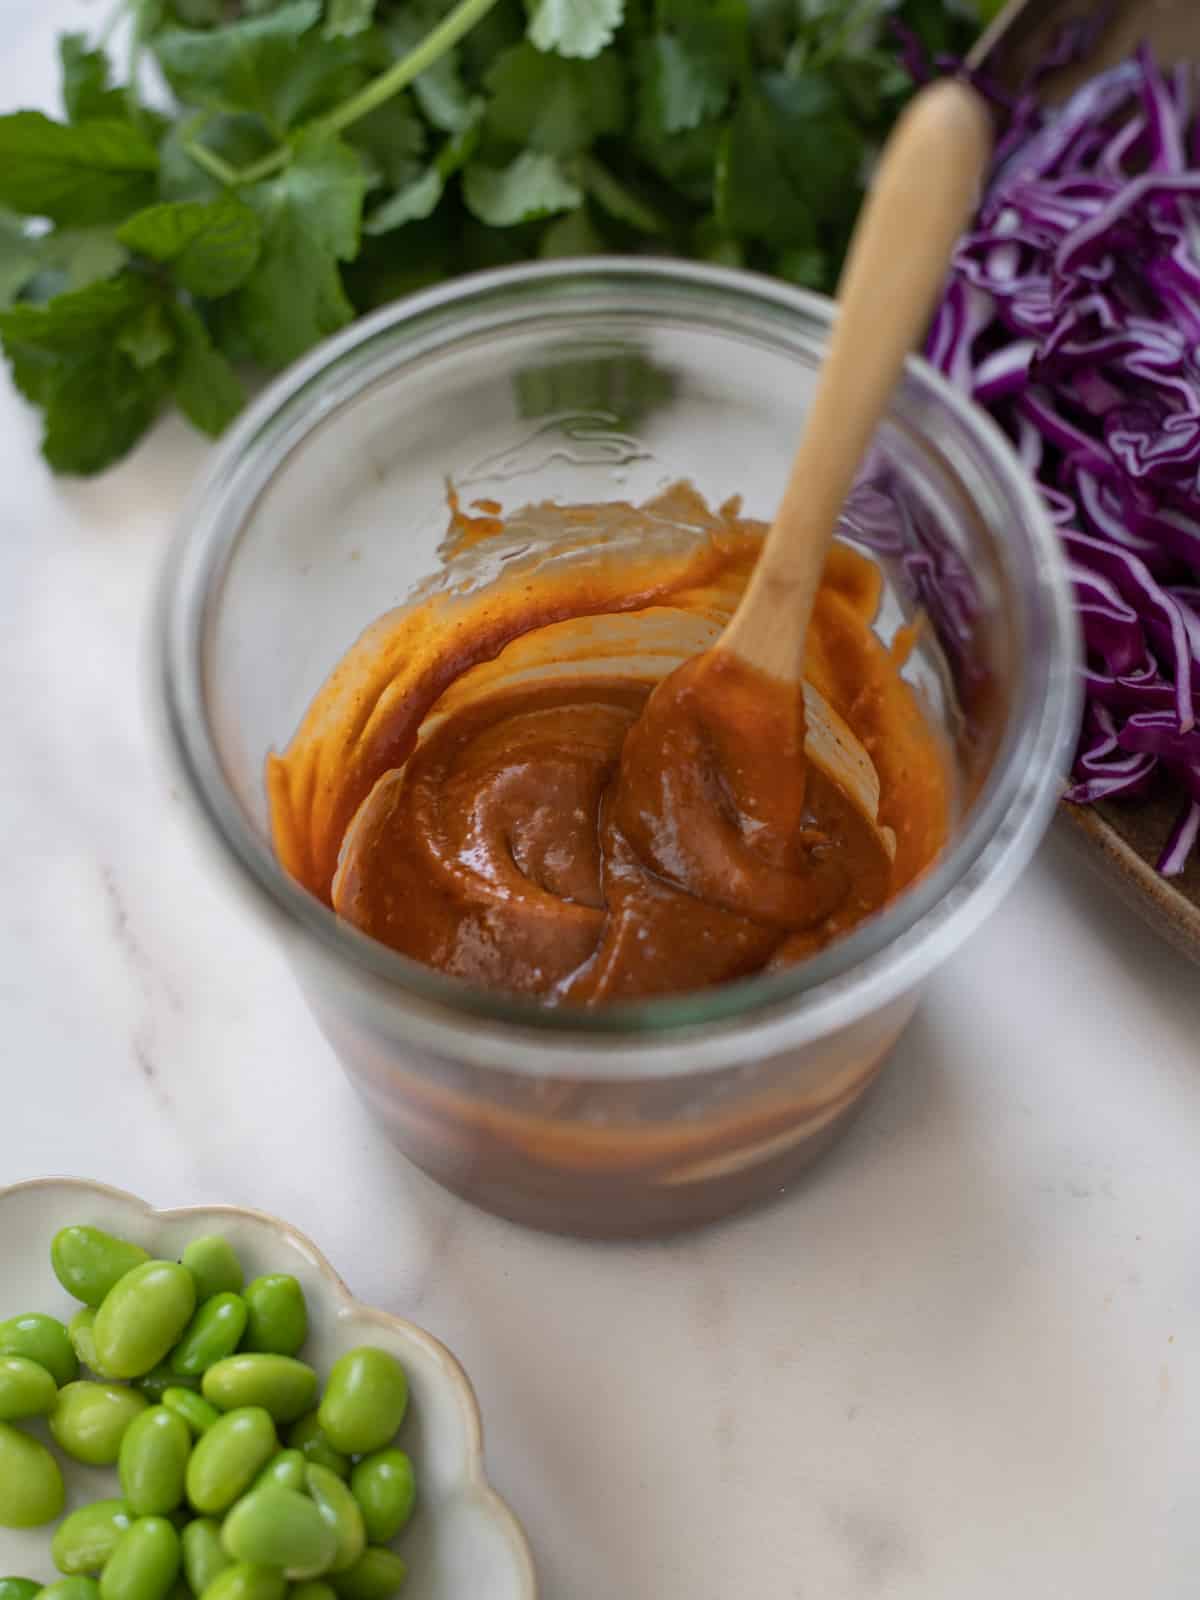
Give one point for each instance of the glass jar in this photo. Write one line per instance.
(603, 380)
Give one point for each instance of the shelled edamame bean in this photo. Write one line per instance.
(189, 1378)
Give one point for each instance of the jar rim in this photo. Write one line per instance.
(743, 1019)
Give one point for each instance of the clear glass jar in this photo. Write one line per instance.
(602, 380)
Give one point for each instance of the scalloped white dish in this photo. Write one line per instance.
(463, 1542)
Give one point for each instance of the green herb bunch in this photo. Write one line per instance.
(269, 169)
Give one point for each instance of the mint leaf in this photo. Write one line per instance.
(96, 172)
(68, 357)
(531, 187)
(311, 217)
(207, 388)
(347, 17)
(76, 257)
(392, 138)
(790, 163)
(418, 198)
(238, 140)
(554, 105)
(148, 338)
(574, 27)
(243, 66)
(86, 89)
(212, 247)
(72, 321)
(97, 409)
(19, 259)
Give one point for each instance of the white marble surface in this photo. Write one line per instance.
(960, 1360)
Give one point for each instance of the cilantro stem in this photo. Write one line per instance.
(381, 89)
(212, 163)
(616, 199)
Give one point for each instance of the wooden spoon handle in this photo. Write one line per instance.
(923, 197)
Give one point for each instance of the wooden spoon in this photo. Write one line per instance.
(923, 197)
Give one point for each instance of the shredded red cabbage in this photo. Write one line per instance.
(1073, 315)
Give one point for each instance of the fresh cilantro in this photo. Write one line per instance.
(344, 18)
(311, 216)
(552, 105)
(243, 66)
(419, 198)
(320, 158)
(530, 187)
(574, 27)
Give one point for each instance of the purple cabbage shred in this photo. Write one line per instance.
(1073, 314)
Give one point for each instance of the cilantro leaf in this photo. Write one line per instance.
(311, 217)
(347, 17)
(86, 90)
(574, 27)
(19, 258)
(95, 172)
(243, 66)
(392, 138)
(554, 105)
(531, 187)
(418, 198)
(692, 62)
(789, 163)
(207, 388)
(212, 246)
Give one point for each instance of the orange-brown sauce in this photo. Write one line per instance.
(477, 788)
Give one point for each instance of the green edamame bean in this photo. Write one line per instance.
(228, 1458)
(376, 1575)
(307, 1437)
(311, 1589)
(244, 1582)
(89, 1420)
(385, 1487)
(278, 1321)
(364, 1402)
(142, 1316)
(145, 1564)
(73, 1588)
(340, 1509)
(26, 1390)
(81, 1330)
(41, 1339)
(212, 1334)
(280, 1384)
(274, 1527)
(88, 1262)
(204, 1555)
(19, 1589)
(286, 1471)
(84, 1541)
(152, 1464)
(31, 1485)
(216, 1269)
(155, 1384)
(193, 1408)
